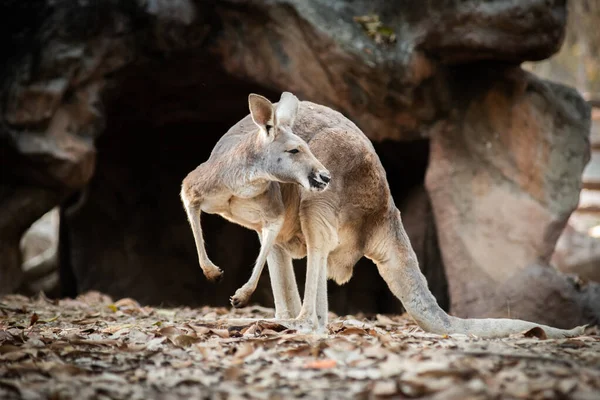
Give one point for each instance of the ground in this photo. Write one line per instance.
(94, 347)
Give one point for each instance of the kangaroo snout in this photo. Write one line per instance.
(319, 180)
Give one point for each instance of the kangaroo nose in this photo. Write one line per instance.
(325, 177)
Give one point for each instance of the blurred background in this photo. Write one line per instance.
(485, 114)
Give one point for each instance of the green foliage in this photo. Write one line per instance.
(375, 29)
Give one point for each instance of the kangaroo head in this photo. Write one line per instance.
(284, 156)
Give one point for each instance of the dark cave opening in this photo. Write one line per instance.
(131, 238)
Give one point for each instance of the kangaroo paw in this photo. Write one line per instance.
(241, 297)
(301, 325)
(213, 274)
(284, 315)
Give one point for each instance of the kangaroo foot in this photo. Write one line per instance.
(281, 315)
(213, 273)
(241, 297)
(302, 325)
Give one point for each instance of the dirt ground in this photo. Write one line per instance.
(94, 347)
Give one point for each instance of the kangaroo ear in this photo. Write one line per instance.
(261, 110)
(287, 109)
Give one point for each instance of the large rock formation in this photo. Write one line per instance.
(578, 253)
(501, 179)
(89, 85)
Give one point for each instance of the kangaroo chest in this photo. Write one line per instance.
(238, 204)
(255, 212)
(245, 212)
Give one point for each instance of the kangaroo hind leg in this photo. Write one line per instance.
(322, 308)
(283, 283)
(319, 225)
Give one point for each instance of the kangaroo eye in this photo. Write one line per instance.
(293, 151)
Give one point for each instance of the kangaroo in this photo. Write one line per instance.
(310, 183)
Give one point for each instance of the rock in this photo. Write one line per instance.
(41, 236)
(531, 291)
(50, 112)
(39, 248)
(502, 31)
(315, 48)
(20, 207)
(579, 254)
(503, 178)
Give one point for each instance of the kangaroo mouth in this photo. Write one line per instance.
(318, 183)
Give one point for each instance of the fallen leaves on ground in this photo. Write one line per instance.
(94, 347)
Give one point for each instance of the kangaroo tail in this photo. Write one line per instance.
(397, 263)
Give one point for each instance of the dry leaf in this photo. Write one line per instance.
(566, 386)
(34, 319)
(352, 330)
(182, 364)
(384, 319)
(184, 340)
(57, 369)
(127, 302)
(232, 373)
(132, 347)
(77, 340)
(321, 364)
(14, 355)
(115, 328)
(573, 344)
(385, 388)
(412, 389)
(536, 332)
(155, 344)
(51, 319)
(244, 351)
(302, 350)
(170, 331)
(8, 348)
(200, 330)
